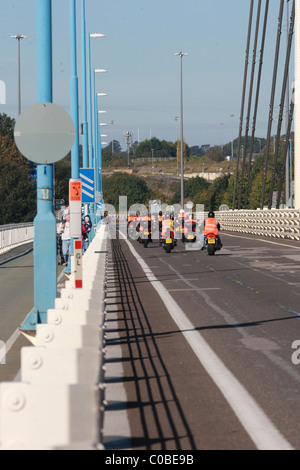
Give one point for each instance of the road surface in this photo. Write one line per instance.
(199, 349)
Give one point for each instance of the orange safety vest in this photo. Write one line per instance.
(211, 226)
(167, 227)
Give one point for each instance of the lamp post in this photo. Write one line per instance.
(95, 113)
(112, 142)
(181, 55)
(90, 125)
(19, 38)
(97, 139)
(85, 144)
(74, 91)
(176, 120)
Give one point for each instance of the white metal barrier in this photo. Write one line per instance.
(284, 224)
(57, 404)
(11, 236)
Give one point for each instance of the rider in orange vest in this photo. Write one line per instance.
(167, 227)
(212, 225)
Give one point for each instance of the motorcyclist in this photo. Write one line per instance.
(181, 217)
(212, 225)
(145, 223)
(167, 227)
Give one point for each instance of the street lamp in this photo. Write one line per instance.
(181, 54)
(112, 144)
(95, 113)
(90, 125)
(19, 38)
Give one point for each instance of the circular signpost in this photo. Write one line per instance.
(223, 208)
(44, 133)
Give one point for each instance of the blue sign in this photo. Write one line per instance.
(87, 176)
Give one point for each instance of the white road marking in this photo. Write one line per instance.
(261, 240)
(256, 423)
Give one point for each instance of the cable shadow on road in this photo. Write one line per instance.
(128, 337)
(154, 404)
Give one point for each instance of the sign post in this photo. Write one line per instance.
(44, 134)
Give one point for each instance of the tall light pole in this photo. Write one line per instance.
(112, 142)
(176, 120)
(85, 146)
(181, 54)
(90, 124)
(19, 38)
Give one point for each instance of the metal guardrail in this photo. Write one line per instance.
(14, 235)
(282, 223)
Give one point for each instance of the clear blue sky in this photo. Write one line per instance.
(143, 74)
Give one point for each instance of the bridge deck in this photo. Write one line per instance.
(198, 349)
(244, 303)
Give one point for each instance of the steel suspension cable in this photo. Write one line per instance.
(286, 152)
(249, 102)
(243, 102)
(256, 102)
(283, 96)
(267, 149)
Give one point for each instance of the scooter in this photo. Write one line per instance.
(145, 234)
(189, 232)
(212, 244)
(132, 231)
(169, 243)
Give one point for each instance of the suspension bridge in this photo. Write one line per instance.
(170, 353)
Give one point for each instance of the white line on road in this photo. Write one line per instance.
(262, 240)
(256, 423)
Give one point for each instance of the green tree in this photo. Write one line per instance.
(17, 188)
(7, 125)
(62, 173)
(215, 154)
(162, 149)
(215, 194)
(122, 184)
(192, 188)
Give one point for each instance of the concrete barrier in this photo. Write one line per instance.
(57, 404)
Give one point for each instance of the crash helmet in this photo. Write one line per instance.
(211, 215)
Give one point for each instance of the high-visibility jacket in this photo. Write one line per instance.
(181, 218)
(167, 228)
(211, 226)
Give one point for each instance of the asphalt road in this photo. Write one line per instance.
(200, 348)
(16, 281)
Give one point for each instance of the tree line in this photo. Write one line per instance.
(18, 180)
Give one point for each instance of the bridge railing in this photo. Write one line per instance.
(283, 224)
(14, 235)
(58, 404)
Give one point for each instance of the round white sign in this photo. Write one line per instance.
(44, 133)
